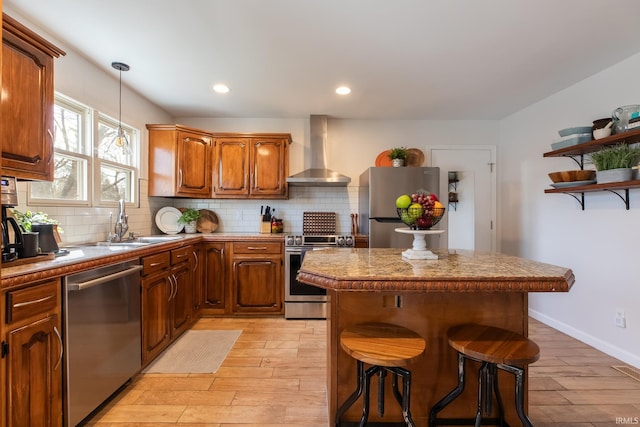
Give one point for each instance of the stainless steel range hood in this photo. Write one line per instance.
(318, 175)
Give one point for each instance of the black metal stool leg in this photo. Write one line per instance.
(406, 396)
(354, 396)
(452, 395)
(496, 390)
(366, 393)
(482, 380)
(381, 379)
(519, 374)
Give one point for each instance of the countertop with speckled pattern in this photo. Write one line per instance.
(86, 256)
(377, 270)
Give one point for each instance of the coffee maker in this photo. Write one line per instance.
(11, 232)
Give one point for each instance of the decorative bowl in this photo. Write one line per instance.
(601, 133)
(419, 218)
(570, 176)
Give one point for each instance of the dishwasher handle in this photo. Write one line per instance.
(79, 286)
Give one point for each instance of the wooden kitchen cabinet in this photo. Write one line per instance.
(156, 289)
(214, 280)
(167, 299)
(256, 279)
(182, 276)
(32, 352)
(180, 162)
(26, 108)
(251, 166)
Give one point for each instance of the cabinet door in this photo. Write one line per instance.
(155, 314)
(232, 167)
(181, 299)
(214, 279)
(256, 285)
(27, 110)
(35, 374)
(194, 165)
(198, 270)
(268, 163)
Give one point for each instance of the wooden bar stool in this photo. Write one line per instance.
(494, 348)
(388, 348)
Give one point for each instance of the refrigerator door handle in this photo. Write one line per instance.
(386, 219)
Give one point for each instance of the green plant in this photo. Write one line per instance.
(189, 215)
(398, 153)
(615, 157)
(26, 219)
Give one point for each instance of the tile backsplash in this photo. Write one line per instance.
(89, 224)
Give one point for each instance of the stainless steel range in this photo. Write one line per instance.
(302, 301)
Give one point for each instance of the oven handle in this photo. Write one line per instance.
(79, 286)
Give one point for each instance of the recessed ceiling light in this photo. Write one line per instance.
(221, 88)
(343, 90)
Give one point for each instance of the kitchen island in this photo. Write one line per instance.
(427, 296)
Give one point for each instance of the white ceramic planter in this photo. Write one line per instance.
(190, 227)
(613, 175)
(398, 163)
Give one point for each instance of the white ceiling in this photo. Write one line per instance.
(403, 59)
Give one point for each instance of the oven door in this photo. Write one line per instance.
(294, 290)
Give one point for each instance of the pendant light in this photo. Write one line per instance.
(121, 139)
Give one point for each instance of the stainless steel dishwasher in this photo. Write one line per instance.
(102, 335)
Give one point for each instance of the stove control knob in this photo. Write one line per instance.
(289, 241)
(349, 241)
(298, 240)
(340, 241)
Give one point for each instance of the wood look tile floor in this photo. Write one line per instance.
(275, 377)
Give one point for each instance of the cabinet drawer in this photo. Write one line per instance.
(25, 303)
(257, 248)
(181, 255)
(153, 263)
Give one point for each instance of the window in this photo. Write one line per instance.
(89, 168)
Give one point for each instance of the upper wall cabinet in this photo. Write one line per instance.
(251, 166)
(27, 102)
(179, 161)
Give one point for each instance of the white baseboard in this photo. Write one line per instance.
(603, 346)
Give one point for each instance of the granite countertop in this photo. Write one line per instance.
(455, 271)
(86, 256)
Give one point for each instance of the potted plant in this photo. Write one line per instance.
(613, 164)
(398, 155)
(189, 218)
(26, 219)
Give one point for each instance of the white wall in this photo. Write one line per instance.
(600, 244)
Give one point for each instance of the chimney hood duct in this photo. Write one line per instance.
(318, 175)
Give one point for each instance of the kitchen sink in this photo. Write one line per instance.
(157, 239)
(134, 243)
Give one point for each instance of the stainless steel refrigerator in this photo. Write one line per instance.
(378, 191)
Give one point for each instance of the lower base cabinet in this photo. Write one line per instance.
(214, 283)
(32, 356)
(242, 277)
(167, 298)
(256, 278)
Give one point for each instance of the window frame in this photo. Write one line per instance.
(134, 168)
(91, 118)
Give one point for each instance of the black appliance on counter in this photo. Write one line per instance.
(11, 232)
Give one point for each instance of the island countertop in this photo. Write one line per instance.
(378, 269)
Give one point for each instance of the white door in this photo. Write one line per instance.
(471, 220)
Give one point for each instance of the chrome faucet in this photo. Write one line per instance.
(122, 222)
